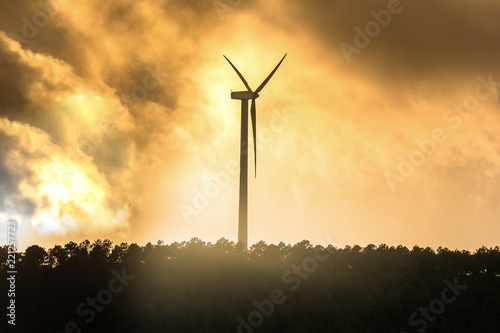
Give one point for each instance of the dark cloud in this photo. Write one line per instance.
(18, 81)
(426, 39)
(128, 31)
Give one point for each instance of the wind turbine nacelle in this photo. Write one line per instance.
(242, 95)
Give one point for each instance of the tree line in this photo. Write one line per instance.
(217, 287)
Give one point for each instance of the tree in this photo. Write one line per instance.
(35, 256)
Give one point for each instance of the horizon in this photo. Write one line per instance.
(160, 242)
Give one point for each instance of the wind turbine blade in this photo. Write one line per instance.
(253, 113)
(269, 77)
(239, 74)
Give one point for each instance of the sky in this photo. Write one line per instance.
(380, 126)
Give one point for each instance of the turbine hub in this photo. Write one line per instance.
(243, 95)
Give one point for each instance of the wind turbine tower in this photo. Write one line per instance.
(244, 97)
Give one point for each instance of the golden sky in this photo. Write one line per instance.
(381, 125)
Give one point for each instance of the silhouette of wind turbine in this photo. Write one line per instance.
(244, 96)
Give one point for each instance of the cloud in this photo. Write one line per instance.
(100, 90)
(47, 181)
(425, 40)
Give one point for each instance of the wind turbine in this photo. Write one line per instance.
(245, 96)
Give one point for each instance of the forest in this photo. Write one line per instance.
(195, 286)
